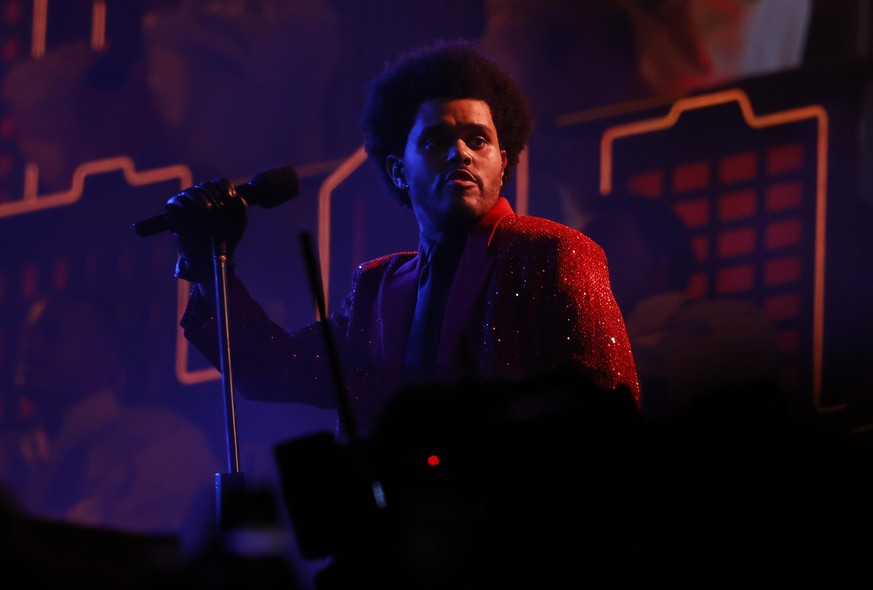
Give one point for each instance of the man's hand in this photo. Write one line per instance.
(197, 214)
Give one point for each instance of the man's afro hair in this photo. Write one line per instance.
(441, 70)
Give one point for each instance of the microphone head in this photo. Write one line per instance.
(271, 187)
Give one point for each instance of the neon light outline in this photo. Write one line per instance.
(31, 201)
(816, 112)
(325, 191)
(98, 25)
(38, 28)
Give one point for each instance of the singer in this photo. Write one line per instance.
(489, 296)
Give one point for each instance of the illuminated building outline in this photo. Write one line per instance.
(812, 112)
(40, 26)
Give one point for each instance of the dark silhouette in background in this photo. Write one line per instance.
(551, 483)
(745, 487)
(508, 484)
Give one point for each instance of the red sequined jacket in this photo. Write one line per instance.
(530, 296)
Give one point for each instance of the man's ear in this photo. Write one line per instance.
(394, 166)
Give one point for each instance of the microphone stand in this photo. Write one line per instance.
(346, 416)
(231, 483)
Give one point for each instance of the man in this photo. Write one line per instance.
(508, 297)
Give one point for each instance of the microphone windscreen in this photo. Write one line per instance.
(271, 187)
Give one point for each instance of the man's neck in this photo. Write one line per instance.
(428, 238)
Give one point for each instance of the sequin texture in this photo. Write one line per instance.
(545, 305)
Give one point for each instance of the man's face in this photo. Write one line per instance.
(452, 164)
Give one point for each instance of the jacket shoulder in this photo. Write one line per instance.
(529, 229)
(384, 262)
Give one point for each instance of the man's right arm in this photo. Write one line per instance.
(269, 363)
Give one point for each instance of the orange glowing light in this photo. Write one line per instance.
(777, 160)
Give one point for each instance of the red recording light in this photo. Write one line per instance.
(433, 460)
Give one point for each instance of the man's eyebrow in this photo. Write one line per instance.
(443, 126)
(480, 127)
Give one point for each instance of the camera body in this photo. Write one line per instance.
(456, 480)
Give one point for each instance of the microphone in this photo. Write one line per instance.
(266, 189)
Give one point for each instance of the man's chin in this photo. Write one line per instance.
(464, 208)
(476, 204)
(468, 208)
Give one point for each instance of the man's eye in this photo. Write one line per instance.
(433, 143)
(477, 142)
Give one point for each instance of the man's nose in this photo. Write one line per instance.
(459, 153)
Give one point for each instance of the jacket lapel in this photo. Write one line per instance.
(398, 293)
(474, 268)
(396, 308)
